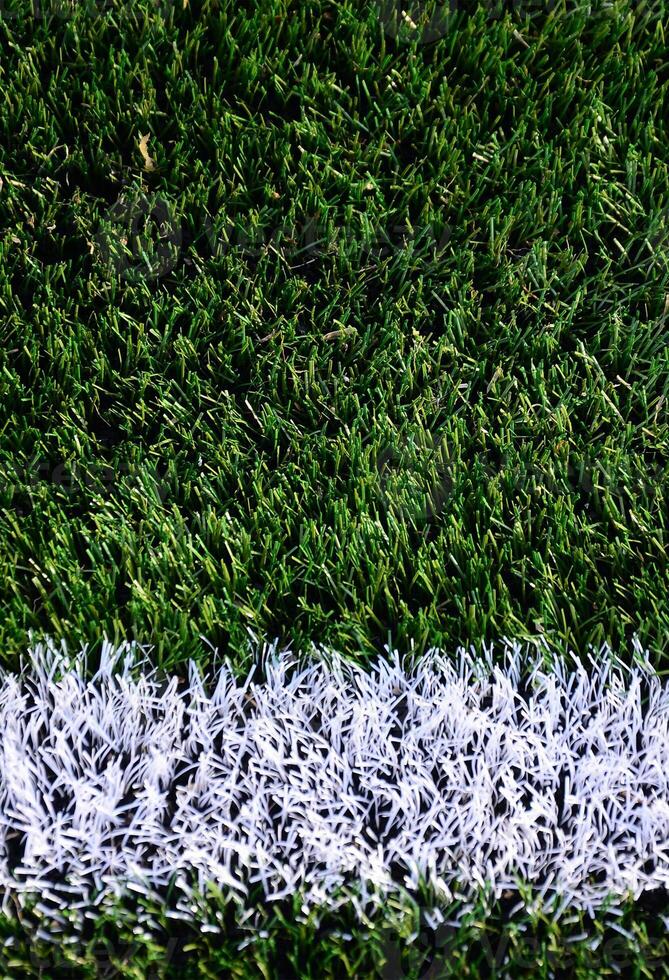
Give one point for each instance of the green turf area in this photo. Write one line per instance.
(276, 410)
(398, 946)
(312, 329)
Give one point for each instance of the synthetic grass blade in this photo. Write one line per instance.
(321, 779)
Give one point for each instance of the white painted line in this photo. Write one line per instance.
(334, 781)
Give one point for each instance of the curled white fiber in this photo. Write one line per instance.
(324, 776)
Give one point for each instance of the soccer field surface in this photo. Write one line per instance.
(333, 340)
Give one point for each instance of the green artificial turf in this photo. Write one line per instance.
(396, 946)
(326, 328)
(274, 409)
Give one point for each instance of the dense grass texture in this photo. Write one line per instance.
(324, 323)
(312, 329)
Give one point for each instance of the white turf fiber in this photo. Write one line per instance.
(326, 779)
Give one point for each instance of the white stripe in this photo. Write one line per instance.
(335, 781)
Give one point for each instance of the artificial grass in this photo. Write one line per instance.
(315, 777)
(276, 411)
(501, 818)
(315, 330)
(139, 940)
